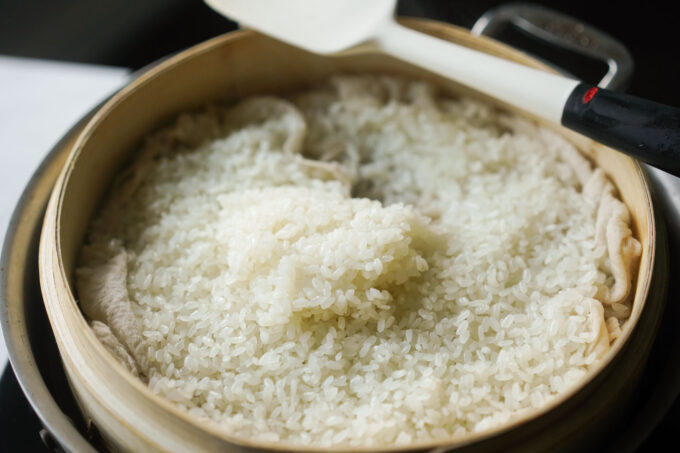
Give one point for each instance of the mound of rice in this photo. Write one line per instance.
(365, 263)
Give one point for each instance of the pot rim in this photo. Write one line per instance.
(28, 214)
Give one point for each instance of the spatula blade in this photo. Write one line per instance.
(320, 26)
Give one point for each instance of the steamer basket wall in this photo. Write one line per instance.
(126, 413)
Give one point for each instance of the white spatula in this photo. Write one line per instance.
(641, 128)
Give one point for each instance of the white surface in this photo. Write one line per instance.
(39, 101)
(537, 92)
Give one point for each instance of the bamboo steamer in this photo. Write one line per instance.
(130, 417)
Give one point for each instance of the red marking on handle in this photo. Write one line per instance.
(590, 94)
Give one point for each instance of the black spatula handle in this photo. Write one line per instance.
(643, 129)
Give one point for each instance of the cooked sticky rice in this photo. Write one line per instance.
(365, 263)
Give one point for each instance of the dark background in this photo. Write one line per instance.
(133, 34)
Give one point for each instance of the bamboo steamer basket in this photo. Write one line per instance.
(129, 416)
